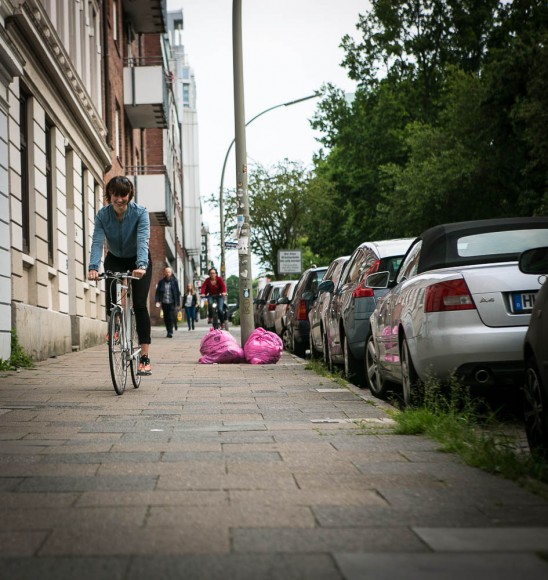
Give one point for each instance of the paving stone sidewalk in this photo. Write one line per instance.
(239, 472)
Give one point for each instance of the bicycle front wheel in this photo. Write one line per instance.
(135, 350)
(116, 354)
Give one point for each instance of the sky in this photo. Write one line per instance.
(290, 49)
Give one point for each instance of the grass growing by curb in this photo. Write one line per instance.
(451, 416)
(320, 369)
(18, 359)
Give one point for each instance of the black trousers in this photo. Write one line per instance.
(170, 317)
(140, 289)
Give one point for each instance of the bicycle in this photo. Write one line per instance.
(124, 349)
(213, 310)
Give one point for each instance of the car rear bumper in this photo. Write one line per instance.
(468, 348)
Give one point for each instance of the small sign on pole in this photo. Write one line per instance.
(290, 261)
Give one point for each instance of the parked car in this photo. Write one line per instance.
(316, 316)
(271, 302)
(280, 313)
(297, 314)
(230, 310)
(260, 305)
(459, 305)
(535, 354)
(347, 318)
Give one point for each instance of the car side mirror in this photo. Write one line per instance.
(534, 261)
(283, 300)
(308, 295)
(378, 280)
(326, 286)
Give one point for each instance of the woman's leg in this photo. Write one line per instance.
(189, 316)
(142, 318)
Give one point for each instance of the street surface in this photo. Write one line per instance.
(239, 472)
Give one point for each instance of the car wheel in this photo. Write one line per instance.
(286, 339)
(313, 353)
(351, 371)
(535, 410)
(373, 379)
(410, 379)
(327, 354)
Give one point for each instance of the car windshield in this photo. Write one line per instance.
(506, 242)
(391, 265)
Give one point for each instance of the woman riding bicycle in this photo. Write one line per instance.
(126, 228)
(214, 287)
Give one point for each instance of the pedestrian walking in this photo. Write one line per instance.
(168, 297)
(125, 226)
(190, 301)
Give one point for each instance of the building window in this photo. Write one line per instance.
(50, 196)
(84, 221)
(117, 130)
(115, 20)
(186, 95)
(94, 50)
(24, 153)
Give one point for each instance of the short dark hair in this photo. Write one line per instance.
(120, 185)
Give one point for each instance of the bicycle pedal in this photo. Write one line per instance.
(144, 373)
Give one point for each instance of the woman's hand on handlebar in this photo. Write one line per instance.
(139, 273)
(93, 275)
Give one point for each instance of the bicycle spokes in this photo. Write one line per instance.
(116, 351)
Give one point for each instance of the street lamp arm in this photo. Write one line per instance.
(256, 117)
(221, 188)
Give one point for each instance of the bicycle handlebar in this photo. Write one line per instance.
(119, 275)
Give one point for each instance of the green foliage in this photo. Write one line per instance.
(235, 318)
(232, 289)
(280, 199)
(18, 358)
(447, 124)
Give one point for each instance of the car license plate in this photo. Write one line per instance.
(523, 302)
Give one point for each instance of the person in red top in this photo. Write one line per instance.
(215, 286)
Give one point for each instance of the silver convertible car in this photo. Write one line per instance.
(459, 305)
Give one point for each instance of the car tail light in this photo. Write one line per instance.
(301, 312)
(363, 291)
(450, 295)
(272, 307)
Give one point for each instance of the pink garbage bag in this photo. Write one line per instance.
(263, 347)
(219, 346)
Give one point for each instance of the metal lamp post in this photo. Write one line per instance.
(243, 222)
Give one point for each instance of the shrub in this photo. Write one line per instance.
(18, 359)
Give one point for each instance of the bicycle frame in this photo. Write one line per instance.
(122, 352)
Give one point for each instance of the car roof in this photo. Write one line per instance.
(439, 243)
(384, 248)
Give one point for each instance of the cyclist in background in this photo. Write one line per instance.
(214, 286)
(126, 228)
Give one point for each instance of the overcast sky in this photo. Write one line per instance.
(290, 48)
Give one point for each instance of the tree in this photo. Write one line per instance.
(448, 122)
(232, 289)
(279, 201)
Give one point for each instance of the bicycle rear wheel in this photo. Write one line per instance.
(116, 355)
(135, 350)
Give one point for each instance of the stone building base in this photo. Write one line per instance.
(45, 333)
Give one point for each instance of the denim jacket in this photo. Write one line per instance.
(125, 239)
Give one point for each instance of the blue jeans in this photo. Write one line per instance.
(190, 313)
